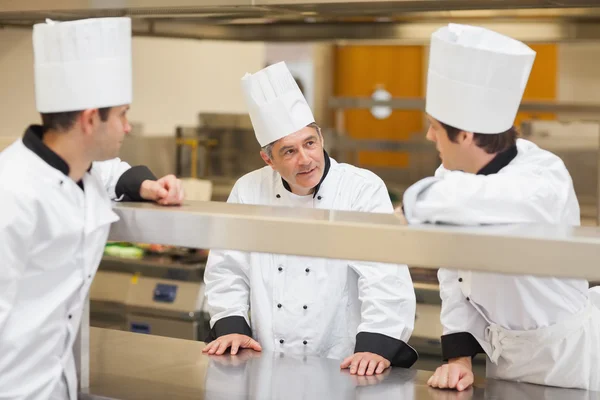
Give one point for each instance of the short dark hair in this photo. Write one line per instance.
(268, 149)
(492, 144)
(63, 121)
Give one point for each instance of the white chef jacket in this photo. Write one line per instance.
(532, 187)
(313, 306)
(52, 237)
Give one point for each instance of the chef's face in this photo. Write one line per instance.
(110, 133)
(299, 159)
(452, 153)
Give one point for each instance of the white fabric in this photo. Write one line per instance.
(6, 141)
(52, 238)
(476, 78)
(503, 389)
(275, 103)
(566, 354)
(294, 200)
(109, 172)
(494, 335)
(343, 297)
(535, 187)
(595, 295)
(82, 64)
(530, 303)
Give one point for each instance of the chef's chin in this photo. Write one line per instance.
(309, 181)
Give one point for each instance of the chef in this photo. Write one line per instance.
(358, 311)
(56, 185)
(532, 329)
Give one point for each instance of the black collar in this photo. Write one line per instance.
(325, 172)
(32, 139)
(500, 161)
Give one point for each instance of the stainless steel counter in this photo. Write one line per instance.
(133, 366)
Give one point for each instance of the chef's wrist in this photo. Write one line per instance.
(398, 353)
(464, 361)
(234, 324)
(131, 181)
(145, 191)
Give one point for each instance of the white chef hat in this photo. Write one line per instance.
(82, 64)
(276, 105)
(476, 78)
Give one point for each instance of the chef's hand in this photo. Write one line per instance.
(365, 364)
(166, 191)
(235, 341)
(457, 374)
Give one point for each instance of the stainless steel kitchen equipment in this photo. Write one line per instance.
(544, 250)
(404, 21)
(154, 295)
(129, 366)
(534, 249)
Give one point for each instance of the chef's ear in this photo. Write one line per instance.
(89, 119)
(465, 137)
(266, 159)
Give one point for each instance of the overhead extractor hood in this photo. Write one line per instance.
(292, 20)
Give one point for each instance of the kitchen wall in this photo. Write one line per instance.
(174, 80)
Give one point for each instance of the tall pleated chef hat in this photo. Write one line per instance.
(82, 64)
(275, 103)
(476, 78)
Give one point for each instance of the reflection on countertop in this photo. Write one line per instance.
(126, 365)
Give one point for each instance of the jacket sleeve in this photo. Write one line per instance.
(463, 326)
(121, 181)
(456, 197)
(386, 293)
(227, 288)
(17, 224)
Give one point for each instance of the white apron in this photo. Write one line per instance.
(566, 354)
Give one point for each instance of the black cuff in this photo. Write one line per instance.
(130, 182)
(461, 344)
(229, 325)
(396, 351)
